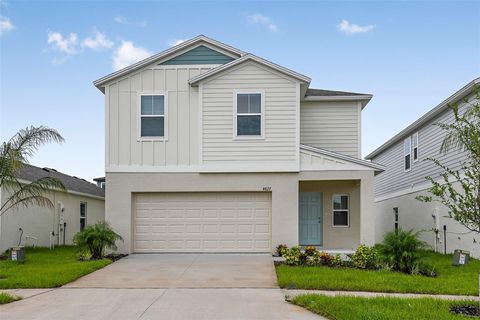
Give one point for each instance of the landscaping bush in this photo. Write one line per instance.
(293, 256)
(401, 250)
(364, 257)
(281, 249)
(310, 250)
(96, 238)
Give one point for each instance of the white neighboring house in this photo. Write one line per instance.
(82, 204)
(404, 179)
(212, 149)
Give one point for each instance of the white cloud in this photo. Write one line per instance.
(257, 18)
(120, 19)
(5, 25)
(123, 20)
(67, 44)
(127, 54)
(351, 28)
(175, 42)
(99, 42)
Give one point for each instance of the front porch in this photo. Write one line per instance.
(329, 214)
(335, 201)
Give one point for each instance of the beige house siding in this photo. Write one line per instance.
(181, 147)
(39, 222)
(334, 126)
(281, 96)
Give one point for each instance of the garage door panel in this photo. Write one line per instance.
(202, 222)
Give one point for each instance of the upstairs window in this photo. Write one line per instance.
(249, 113)
(415, 146)
(341, 212)
(152, 116)
(407, 153)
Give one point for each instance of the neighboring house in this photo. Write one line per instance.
(404, 179)
(83, 203)
(211, 149)
(100, 182)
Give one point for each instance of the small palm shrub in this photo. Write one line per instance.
(401, 250)
(96, 238)
(365, 257)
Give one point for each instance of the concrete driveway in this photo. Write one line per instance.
(164, 286)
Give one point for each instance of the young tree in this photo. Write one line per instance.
(14, 153)
(463, 200)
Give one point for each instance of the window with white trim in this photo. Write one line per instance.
(152, 116)
(415, 146)
(249, 114)
(341, 210)
(83, 215)
(407, 153)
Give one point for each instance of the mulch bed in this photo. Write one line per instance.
(115, 256)
(472, 311)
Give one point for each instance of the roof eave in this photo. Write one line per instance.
(300, 77)
(99, 83)
(364, 99)
(460, 94)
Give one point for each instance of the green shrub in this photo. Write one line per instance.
(281, 249)
(337, 261)
(293, 256)
(364, 257)
(96, 238)
(310, 250)
(401, 250)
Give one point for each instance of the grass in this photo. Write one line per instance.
(7, 298)
(451, 280)
(45, 268)
(385, 308)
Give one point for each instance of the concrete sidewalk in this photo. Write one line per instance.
(364, 294)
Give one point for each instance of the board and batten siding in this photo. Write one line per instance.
(333, 126)
(182, 145)
(396, 179)
(279, 145)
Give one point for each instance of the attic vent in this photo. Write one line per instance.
(49, 169)
(46, 169)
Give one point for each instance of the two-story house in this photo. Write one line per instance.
(405, 158)
(212, 149)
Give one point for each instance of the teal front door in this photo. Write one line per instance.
(310, 218)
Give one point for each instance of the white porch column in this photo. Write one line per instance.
(367, 210)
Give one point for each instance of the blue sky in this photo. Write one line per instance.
(410, 55)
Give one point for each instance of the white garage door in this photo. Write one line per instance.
(202, 222)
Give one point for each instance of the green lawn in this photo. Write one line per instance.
(7, 298)
(45, 268)
(351, 308)
(451, 280)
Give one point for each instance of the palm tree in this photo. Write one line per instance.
(13, 155)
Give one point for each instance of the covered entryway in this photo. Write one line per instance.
(202, 222)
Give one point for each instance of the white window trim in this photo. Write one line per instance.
(405, 154)
(165, 116)
(333, 210)
(262, 114)
(414, 146)
(80, 213)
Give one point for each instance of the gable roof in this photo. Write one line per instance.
(249, 57)
(444, 105)
(30, 173)
(375, 166)
(99, 83)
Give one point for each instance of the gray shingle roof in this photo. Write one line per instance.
(329, 93)
(30, 173)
